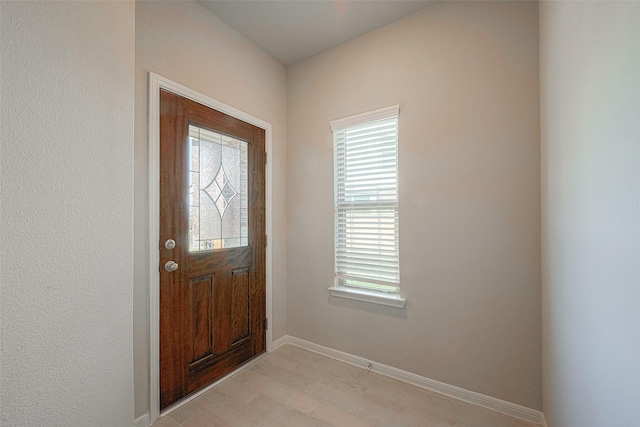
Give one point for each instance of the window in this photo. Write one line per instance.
(366, 207)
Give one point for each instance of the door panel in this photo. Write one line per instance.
(240, 305)
(201, 301)
(212, 308)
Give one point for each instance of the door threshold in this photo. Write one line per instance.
(202, 391)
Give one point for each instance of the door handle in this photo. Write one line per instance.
(171, 266)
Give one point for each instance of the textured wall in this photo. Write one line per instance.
(66, 218)
(186, 43)
(590, 122)
(466, 77)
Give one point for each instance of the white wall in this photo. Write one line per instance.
(66, 219)
(466, 77)
(186, 43)
(590, 122)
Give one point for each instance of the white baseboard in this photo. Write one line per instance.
(142, 421)
(279, 342)
(544, 421)
(504, 407)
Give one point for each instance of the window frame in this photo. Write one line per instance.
(385, 291)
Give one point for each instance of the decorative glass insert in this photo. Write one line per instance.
(217, 190)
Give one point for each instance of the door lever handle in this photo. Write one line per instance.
(171, 266)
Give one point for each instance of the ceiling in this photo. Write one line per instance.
(293, 30)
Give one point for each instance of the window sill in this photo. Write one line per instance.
(382, 298)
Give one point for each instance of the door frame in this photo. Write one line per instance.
(156, 83)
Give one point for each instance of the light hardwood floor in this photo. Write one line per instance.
(295, 387)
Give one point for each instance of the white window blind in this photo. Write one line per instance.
(366, 200)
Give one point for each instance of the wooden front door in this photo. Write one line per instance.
(212, 245)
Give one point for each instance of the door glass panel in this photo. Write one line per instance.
(217, 190)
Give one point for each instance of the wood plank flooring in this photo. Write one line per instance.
(298, 388)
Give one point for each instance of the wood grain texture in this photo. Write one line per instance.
(240, 305)
(172, 296)
(201, 302)
(212, 308)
